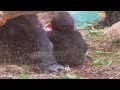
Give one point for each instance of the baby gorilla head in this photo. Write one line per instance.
(62, 21)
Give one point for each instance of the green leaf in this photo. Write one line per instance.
(99, 52)
(109, 63)
(72, 76)
(96, 61)
(23, 76)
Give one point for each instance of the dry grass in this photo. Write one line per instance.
(113, 33)
(102, 61)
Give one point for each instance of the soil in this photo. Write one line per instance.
(86, 70)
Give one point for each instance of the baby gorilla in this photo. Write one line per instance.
(69, 46)
(22, 40)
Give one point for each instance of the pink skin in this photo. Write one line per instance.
(48, 28)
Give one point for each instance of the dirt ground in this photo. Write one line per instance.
(101, 62)
(89, 69)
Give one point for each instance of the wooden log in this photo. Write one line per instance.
(5, 15)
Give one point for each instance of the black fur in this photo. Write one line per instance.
(69, 45)
(23, 40)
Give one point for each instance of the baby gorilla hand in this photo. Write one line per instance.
(54, 68)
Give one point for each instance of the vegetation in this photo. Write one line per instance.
(23, 76)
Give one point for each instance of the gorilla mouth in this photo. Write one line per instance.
(48, 27)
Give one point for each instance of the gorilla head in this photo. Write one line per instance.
(62, 22)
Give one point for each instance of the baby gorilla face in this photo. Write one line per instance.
(62, 21)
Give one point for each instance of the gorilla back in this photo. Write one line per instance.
(22, 40)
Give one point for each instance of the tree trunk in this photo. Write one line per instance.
(111, 18)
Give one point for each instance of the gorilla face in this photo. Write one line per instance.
(62, 22)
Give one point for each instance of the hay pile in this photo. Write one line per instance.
(113, 32)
